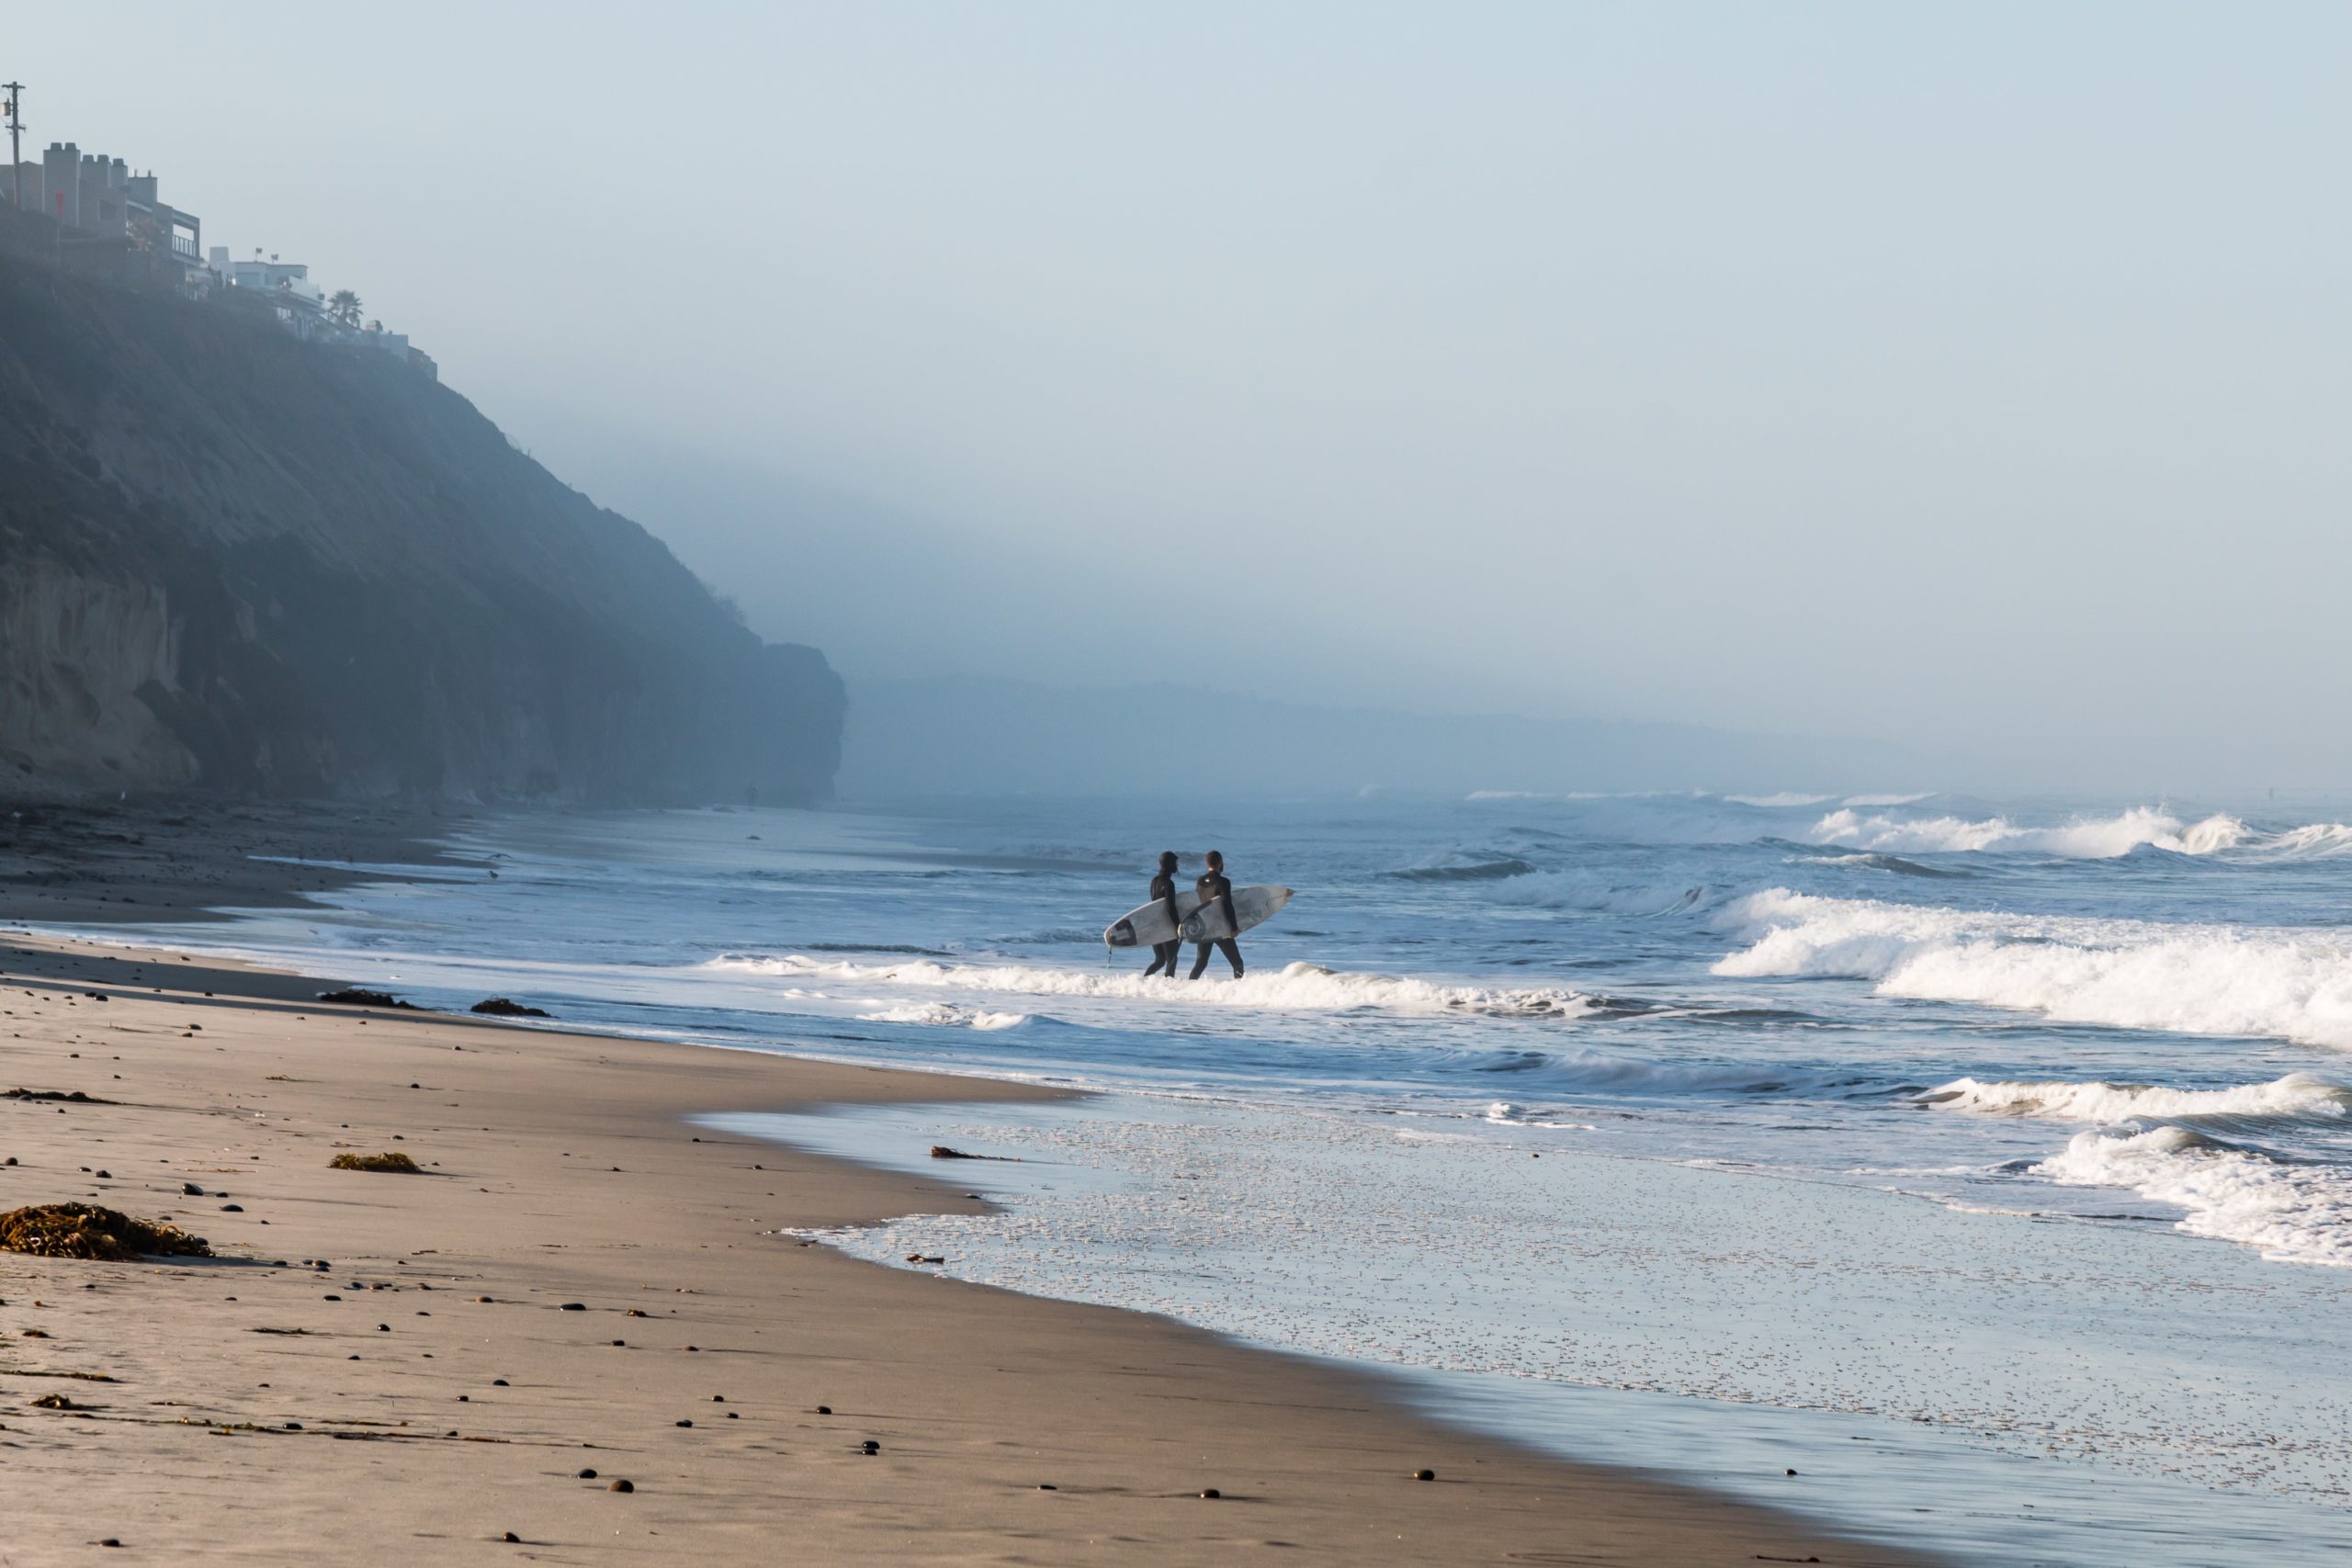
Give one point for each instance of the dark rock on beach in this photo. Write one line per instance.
(506, 1006)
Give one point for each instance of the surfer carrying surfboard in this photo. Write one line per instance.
(1215, 889)
(1163, 889)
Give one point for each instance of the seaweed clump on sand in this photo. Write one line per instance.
(394, 1160)
(83, 1230)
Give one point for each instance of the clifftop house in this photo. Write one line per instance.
(97, 198)
(111, 221)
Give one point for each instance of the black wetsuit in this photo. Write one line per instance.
(1214, 888)
(1164, 954)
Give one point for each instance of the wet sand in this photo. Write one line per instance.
(579, 1280)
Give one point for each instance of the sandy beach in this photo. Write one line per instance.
(423, 1367)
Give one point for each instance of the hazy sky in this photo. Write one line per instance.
(1977, 376)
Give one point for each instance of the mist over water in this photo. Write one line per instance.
(1967, 379)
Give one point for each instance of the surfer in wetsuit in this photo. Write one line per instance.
(1215, 889)
(1163, 888)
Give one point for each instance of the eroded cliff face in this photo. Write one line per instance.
(231, 560)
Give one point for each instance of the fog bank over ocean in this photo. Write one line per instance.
(979, 736)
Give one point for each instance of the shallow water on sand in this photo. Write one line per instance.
(2011, 1140)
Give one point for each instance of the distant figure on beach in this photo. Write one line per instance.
(1163, 888)
(1214, 888)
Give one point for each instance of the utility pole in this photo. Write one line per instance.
(15, 155)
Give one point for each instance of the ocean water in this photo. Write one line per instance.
(1987, 1163)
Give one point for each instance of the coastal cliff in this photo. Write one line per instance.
(234, 561)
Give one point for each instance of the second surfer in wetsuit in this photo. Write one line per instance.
(1163, 888)
(1214, 888)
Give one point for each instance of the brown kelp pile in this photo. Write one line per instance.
(83, 1230)
(394, 1160)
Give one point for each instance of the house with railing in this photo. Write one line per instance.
(107, 220)
(99, 202)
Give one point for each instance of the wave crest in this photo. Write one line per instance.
(2296, 1212)
(2084, 839)
(2291, 985)
(1306, 986)
(2296, 1097)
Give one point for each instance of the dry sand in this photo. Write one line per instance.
(431, 1388)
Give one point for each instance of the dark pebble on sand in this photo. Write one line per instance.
(512, 1535)
(1211, 1491)
(232, 1208)
(191, 1190)
(718, 1399)
(1789, 1472)
(330, 1298)
(870, 1445)
(1425, 1475)
(1047, 1486)
(574, 1306)
(587, 1475)
(685, 1423)
(824, 1410)
(465, 1399)
(498, 1382)
(620, 1486)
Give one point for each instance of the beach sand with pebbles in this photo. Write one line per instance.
(427, 1368)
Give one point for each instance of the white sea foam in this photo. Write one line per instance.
(1503, 1113)
(1886, 800)
(2298, 1212)
(2084, 839)
(2296, 985)
(1306, 986)
(946, 1015)
(1785, 797)
(2298, 1096)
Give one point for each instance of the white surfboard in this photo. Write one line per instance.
(1146, 925)
(1252, 906)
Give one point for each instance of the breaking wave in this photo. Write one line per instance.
(2090, 838)
(1305, 987)
(2296, 1211)
(2298, 1096)
(2291, 985)
(1785, 798)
